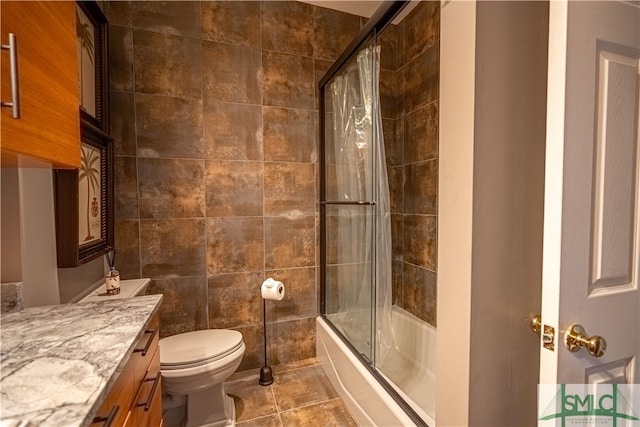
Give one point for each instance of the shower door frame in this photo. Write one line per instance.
(385, 14)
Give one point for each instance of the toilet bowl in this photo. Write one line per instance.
(195, 365)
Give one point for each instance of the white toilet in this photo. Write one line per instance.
(195, 365)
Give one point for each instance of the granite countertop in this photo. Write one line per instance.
(59, 362)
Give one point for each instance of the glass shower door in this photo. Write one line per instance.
(349, 204)
(356, 208)
(349, 285)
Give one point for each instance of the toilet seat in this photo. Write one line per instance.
(198, 348)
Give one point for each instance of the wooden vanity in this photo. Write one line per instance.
(70, 364)
(136, 397)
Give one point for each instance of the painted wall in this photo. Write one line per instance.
(29, 245)
(28, 234)
(492, 124)
(213, 111)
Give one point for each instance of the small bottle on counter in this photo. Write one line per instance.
(112, 279)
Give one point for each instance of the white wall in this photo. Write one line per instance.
(492, 133)
(28, 241)
(28, 234)
(76, 283)
(455, 211)
(11, 246)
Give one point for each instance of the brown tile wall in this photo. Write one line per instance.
(410, 123)
(214, 116)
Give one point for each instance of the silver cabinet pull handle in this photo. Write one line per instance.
(14, 104)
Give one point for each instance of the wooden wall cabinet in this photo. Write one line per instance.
(48, 130)
(135, 399)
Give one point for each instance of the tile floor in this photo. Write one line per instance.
(300, 396)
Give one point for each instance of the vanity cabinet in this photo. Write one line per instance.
(136, 397)
(47, 131)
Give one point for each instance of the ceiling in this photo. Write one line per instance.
(364, 8)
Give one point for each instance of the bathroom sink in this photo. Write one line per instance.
(128, 288)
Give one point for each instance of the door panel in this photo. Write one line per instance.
(616, 372)
(615, 215)
(590, 265)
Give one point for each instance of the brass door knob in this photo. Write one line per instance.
(576, 338)
(536, 324)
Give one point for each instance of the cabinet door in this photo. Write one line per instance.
(148, 404)
(48, 129)
(122, 394)
(149, 341)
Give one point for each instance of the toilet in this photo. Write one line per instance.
(195, 365)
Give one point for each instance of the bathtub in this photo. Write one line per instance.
(410, 372)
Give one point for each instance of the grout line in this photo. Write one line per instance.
(275, 400)
(135, 141)
(205, 175)
(298, 368)
(279, 107)
(265, 306)
(308, 404)
(261, 417)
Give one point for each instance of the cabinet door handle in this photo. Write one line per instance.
(154, 387)
(14, 104)
(108, 420)
(144, 350)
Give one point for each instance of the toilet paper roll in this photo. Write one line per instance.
(272, 289)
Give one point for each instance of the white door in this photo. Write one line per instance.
(591, 261)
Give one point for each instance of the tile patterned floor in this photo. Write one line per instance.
(301, 395)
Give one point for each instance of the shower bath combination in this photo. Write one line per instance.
(378, 216)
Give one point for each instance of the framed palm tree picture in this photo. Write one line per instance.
(89, 190)
(84, 202)
(92, 53)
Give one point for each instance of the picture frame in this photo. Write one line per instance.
(92, 34)
(84, 202)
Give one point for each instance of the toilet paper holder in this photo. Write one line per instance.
(268, 292)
